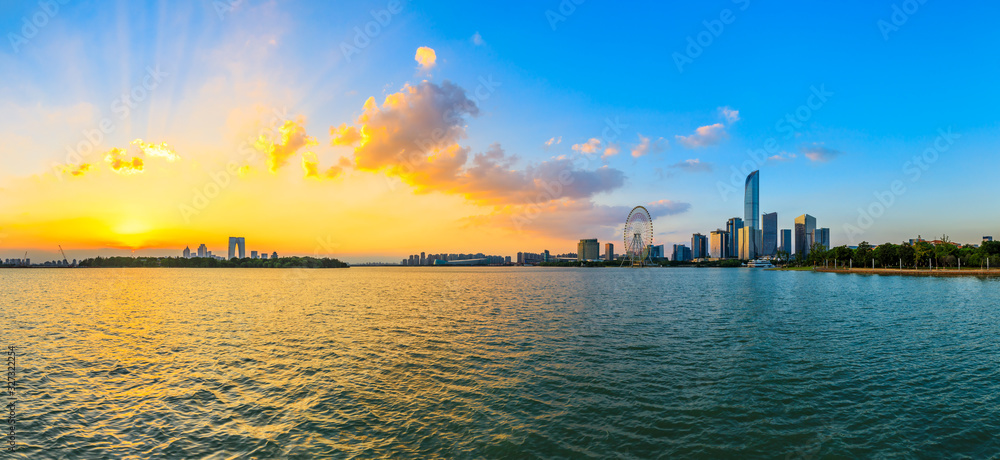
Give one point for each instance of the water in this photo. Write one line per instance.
(500, 362)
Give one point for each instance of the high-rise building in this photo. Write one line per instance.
(733, 229)
(770, 238)
(253, 254)
(786, 241)
(805, 226)
(609, 251)
(749, 239)
(263, 256)
(822, 237)
(187, 252)
(202, 251)
(423, 258)
(987, 239)
(699, 246)
(274, 255)
(720, 244)
(656, 251)
(588, 250)
(237, 242)
(751, 212)
(681, 253)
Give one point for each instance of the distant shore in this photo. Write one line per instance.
(948, 272)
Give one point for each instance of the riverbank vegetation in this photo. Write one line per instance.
(205, 262)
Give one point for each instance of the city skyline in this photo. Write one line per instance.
(261, 117)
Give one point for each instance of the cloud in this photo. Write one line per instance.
(613, 149)
(782, 157)
(646, 146)
(80, 170)
(693, 165)
(121, 163)
(291, 138)
(344, 135)
(818, 152)
(553, 141)
(477, 39)
(664, 208)
(162, 150)
(591, 146)
(704, 136)
(731, 116)
(414, 135)
(426, 57)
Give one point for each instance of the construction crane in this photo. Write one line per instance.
(65, 261)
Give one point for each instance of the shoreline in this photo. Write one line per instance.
(909, 272)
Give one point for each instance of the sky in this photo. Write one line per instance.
(369, 131)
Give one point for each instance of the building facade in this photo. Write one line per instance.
(733, 229)
(823, 238)
(699, 246)
(588, 250)
(805, 228)
(751, 213)
(681, 253)
(720, 244)
(786, 241)
(770, 235)
(609, 251)
(237, 242)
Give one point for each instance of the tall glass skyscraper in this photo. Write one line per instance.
(751, 212)
(733, 227)
(805, 228)
(770, 234)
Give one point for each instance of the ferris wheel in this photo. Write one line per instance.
(638, 237)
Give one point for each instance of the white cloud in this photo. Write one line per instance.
(818, 152)
(591, 146)
(704, 136)
(731, 116)
(647, 146)
(553, 141)
(693, 165)
(477, 39)
(426, 57)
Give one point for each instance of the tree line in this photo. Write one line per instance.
(206, 262)
(918, 255)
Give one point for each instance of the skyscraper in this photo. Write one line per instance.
(733, 229)
(770, 238)
(751, 214)
(202, 251)
(720, 244)
(786, 241)
(187, 252)
(699, 246)
(423, 258)
(805, 226)
(588, 250)
(823, 237)
(609, 251)
(253, 254)
(237, 242)
(681, 253)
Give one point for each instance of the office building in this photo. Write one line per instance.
(588, 250)
(987, 239)
(733, 229)
(681, 253)
(805, 228)
(770, 234)
(609, 251)
(786, 241)
(657, 251)
(823, 237)
(187, 252)
(699, 246)
(720, 244)
(253, 254)
(237, 242)
(202, 251)
(749, 240)
(263, 256)
(751, 213)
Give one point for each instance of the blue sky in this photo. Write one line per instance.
(891, 89)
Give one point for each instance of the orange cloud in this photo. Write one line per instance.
(291, 138)
(426, 57)
(81, 170)
(120, 162)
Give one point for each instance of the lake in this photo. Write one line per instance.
(500, 362)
